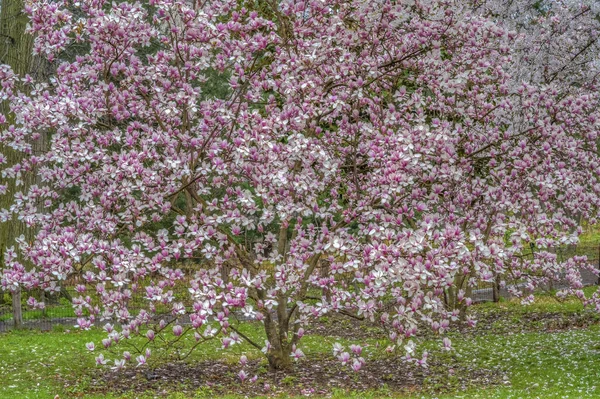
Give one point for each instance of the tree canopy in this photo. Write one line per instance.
(371, 158)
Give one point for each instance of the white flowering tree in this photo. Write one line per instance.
(373, 159)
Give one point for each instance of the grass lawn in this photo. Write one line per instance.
(561, 363)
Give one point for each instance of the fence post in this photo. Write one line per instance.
(16, 308)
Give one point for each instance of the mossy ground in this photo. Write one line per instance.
(524, 352)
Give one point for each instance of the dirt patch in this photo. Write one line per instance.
(318, 376)
(487, 322)
(335, 325)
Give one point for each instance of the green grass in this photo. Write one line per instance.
(62, 308)
(557, 365)
(536, 364)
(589, 241)
(32, 363)
(50, 312)
(543, 303)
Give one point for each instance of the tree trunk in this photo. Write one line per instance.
(279, 354)
(496, 289)
(280, 359)
(16, 51)
(65, 294)
(325, 273)
(461, 282)
(16, 306)
(468, 294)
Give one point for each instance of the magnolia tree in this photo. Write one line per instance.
(555, 50)
(368, 158)
(558, 40)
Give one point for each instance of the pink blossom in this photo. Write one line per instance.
(100, 360)
(177, 330)
(447, 344)
(344, 357)
(150, 335)
(356, 349)
(119, 364)
(141, 360)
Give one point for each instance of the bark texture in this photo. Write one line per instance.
(16, 51)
